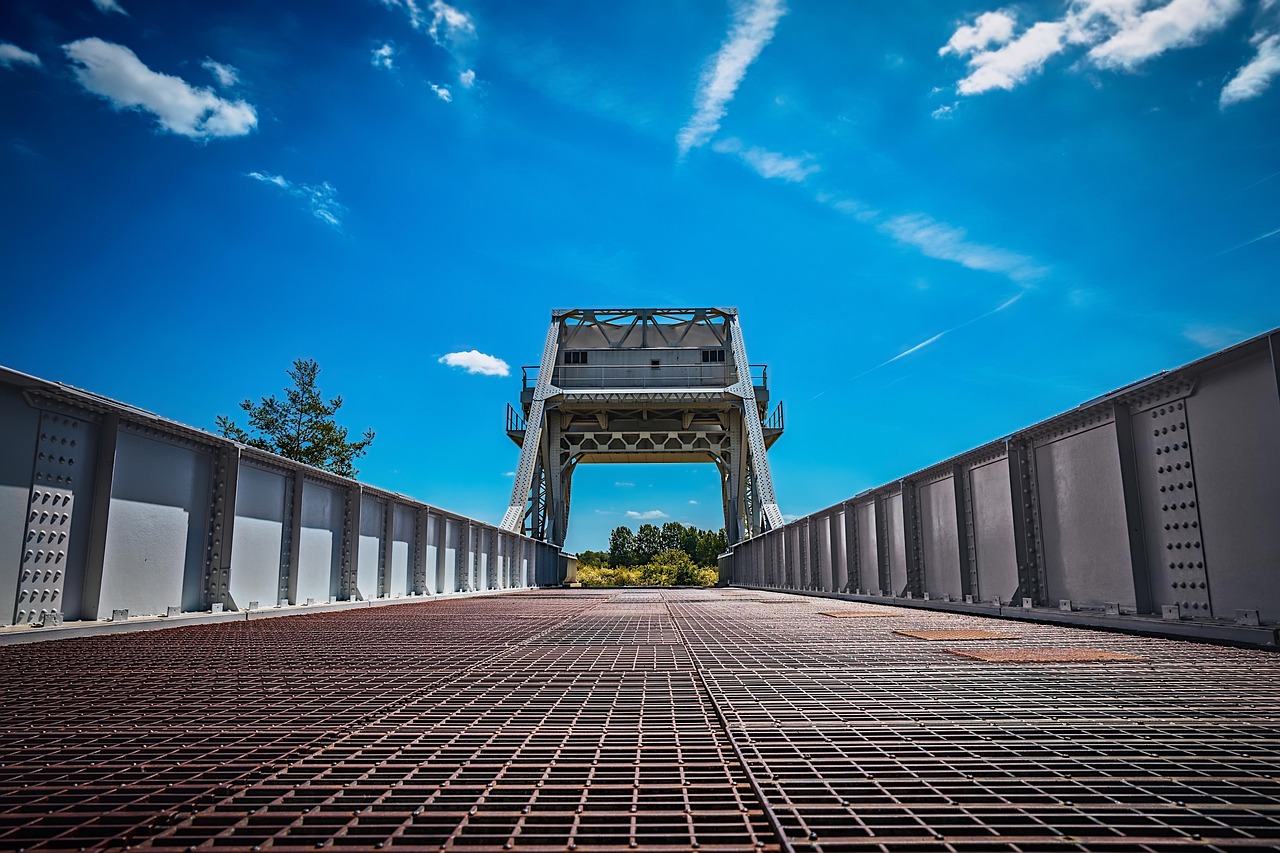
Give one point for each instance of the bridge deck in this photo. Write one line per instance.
(621, 719)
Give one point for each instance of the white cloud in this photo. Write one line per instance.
(946, 242)
(1120, 34)
(509, 474)
(11, 54)
(769, 164)
(383, 57)
(442, 92)
(474, 361)
(226, 75)
(1010, 64)
(692, 502)
(322, 199)
(467, 79)
(647, 515)
(411, 8)
(449, 26)
(944, 111)
(1179, 23)
(115, 73)
(1256, 75)
(987, 29)
(623, 485)
(753, 28)
(109, 6)
(1212, 337)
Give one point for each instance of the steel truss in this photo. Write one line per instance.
(618, 406)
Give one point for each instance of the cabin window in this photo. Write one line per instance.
(575, 357)
(712, 355)
(655, 363)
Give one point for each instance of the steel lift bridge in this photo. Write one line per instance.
(643, 385)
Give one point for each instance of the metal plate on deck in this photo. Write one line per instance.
(1061, 655)
(958, 634)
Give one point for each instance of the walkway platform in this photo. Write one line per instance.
(638, 719)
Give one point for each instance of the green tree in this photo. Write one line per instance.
(622, 547)
(593, 558)
(648, 543)
(300, 427)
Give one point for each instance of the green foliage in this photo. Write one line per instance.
(673, 555)
(301, 427)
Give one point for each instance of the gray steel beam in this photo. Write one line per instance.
(420, 521)
(386, 550)
(1022, 492)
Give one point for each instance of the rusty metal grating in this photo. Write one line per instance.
(1045, 655)
(957, 634)
(573, 721)
(858, 614)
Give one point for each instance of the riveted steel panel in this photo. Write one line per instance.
(1234, 419)
(403, 544)
(1170, 509)
(46, 550)
(993, 532)
(896, 530)
(939, 539)
(157, 529)
(868, 570)
(259, 535)
(372, 520)
(320, 546)
(1082, 518)
(19, 430)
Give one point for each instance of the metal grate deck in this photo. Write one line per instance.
(620, 721)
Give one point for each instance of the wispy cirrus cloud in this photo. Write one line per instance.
(442, 92)
(322, 199)
(115, 72)
(754, 24)
(1116, 34)
(476, 362)
(946, 242)
(11, 55)
(1212, 337)
(1255, 76)
(646, 515)
(769, 164)
(107, 7)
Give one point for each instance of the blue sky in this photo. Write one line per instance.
(940, 221)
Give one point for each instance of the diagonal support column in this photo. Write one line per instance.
(745, 389)
(514, 516)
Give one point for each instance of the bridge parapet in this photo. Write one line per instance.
(1152, 504)
(111, 512)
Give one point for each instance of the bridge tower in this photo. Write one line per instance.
(643, 385)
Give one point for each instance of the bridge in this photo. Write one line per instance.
(1061, 640)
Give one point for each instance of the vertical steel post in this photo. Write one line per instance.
(420, 521)
(350, 565)
(853, 567)
(291, 539)
(225, 465)
(911, 535)
(965, 538)
(1133, 508)
(386, 549)
(103, 473)
(885, 579)
(1022, 489)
